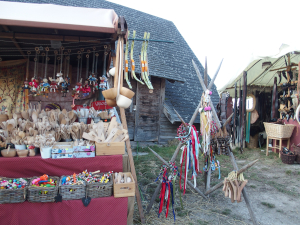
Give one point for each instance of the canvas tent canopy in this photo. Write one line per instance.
(58, 17)
(260, 77)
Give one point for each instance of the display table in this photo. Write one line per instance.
(108, 210)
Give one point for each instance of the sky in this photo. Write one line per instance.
(238, 31)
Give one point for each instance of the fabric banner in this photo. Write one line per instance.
(12, 75)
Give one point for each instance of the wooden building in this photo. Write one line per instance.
(151, 117)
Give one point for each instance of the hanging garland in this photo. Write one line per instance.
(190, 152)
(167, 188)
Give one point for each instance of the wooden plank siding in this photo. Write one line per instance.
(148, 106)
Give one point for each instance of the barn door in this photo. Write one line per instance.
(147, 111)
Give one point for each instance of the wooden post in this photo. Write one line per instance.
(244, 191)
(205, 72)
(128, 147)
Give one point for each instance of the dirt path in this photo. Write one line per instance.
(273, 188)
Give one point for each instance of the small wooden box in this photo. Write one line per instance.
(113, 148)
(124, 189)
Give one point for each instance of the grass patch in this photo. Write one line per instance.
(226, 212)
(279, 210)
(252, 186)
(202, 222)
(288, 172)
(269, 205)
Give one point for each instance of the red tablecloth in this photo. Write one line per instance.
(107, 210)
(36, 166)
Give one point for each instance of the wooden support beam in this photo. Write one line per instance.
(205, 72)
(129, 152)
(156, 192)
(47, 37)
(215, 76)
(196, 189)
(15, 42)
(244, 191)
(159, 157)
(182, 121)
(204, 89)
(208, 178)
(243, 169)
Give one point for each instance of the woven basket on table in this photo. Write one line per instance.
(37, 194)
(296, 150)
(71, 192)
(279, 130)
(13, 195)
(98, 190)
(287, 159)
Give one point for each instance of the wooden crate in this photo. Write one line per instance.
(114, 148)
(124, 189)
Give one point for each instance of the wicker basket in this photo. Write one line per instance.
(98, 190)
(296, 150)
(71, 192)
(278, 130)
(13, 195)
(287, 159)
(42, 194)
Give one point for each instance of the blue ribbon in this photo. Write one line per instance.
(171, 187)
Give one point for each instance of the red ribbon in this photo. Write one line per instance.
(162, 196)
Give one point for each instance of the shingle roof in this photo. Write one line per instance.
(172, 61)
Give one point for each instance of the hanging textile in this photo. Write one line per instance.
(12, 75)
(248, 125)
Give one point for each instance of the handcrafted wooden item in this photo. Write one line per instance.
(124, 187)
(114, 148)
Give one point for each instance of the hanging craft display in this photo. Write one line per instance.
(126, 63)
(65, 86)
(233, 186)
(86, 88)
(34, 82)
(190, 152)
(44, 86)
(205, 120)
(132, 60)
(167, 188)
(144, 61)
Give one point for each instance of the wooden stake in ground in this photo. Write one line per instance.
(129, 152)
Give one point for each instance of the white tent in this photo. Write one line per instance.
(262, 77)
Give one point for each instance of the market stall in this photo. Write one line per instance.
(266, 94)
(62, 145)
